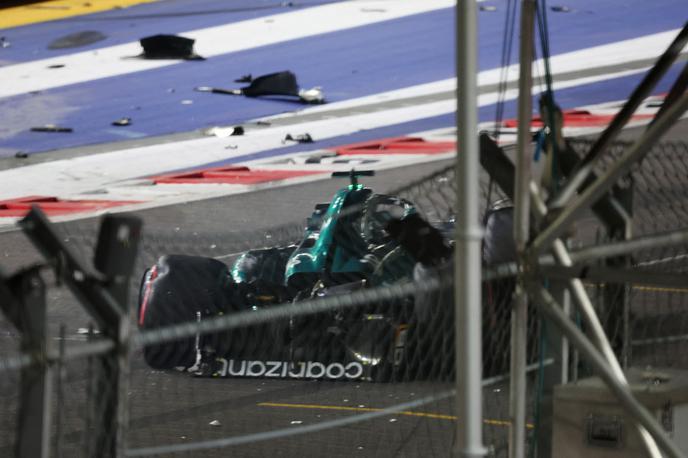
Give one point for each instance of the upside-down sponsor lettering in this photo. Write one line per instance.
(286, 369)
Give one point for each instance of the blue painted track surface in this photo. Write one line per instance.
(347, 64)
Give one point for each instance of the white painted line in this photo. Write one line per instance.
(636, 49)
(112, 61)
(65, 178)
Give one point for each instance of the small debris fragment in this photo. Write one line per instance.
(561, 9)
(21, 155)
(51, 128)
(305, 138)
(244, 79)
(122, 122)
(187, 102)
(488, 8)
(83, 331)
(263, 123)
(296, 422)
(4, 42)
(215, 423)
(224, 132)
(231, 146)
(168, 47)
(392, 420)
(56, 66)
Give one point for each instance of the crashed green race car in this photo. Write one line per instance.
(358, 240)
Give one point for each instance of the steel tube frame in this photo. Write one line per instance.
(641, 92)
(467, 285)
(587, 310)
(585, 255)
(650, 427)
(519, 317)
(616, 275)
(673, 238)
(591, 194)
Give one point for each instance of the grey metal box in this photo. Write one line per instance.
(589, 422)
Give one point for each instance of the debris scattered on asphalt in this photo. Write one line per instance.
(215, 423)
(304, 138)
(51, 128)
(561, 9)
(21, 155)
(392, 420)
(217, 90)
(488, 8)
(122, 122)
(244, 79)
(224, 132)
(56, 66)
(83, 331)
(168, 47)
(4, 42)
(273, 84)
(75, 40)
(296, 422)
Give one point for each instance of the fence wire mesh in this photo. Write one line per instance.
(368, 367)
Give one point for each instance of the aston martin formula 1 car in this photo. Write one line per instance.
(358, 240)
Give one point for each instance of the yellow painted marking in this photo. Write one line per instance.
(651, 289)
(436, 416)
(58, 9)
(655, 289)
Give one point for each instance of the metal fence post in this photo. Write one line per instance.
(23, 301)
(102, 288)
(467, 287)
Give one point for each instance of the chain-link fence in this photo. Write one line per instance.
(335, 336)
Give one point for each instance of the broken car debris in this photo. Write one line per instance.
(224, 132)
(168, 47)
(51, 128)
(122, 122)
(305, 138)
(274, 84)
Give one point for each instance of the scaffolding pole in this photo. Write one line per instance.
(519, 318)
(596, 190)
(468, 241)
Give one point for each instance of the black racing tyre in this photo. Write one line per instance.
(180, 289)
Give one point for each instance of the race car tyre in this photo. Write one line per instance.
(180, 289)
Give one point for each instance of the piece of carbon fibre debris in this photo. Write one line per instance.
(122, 122)
(52, 128)
(168, 47)
(244, 79)
(304, 138)
(282, 84)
